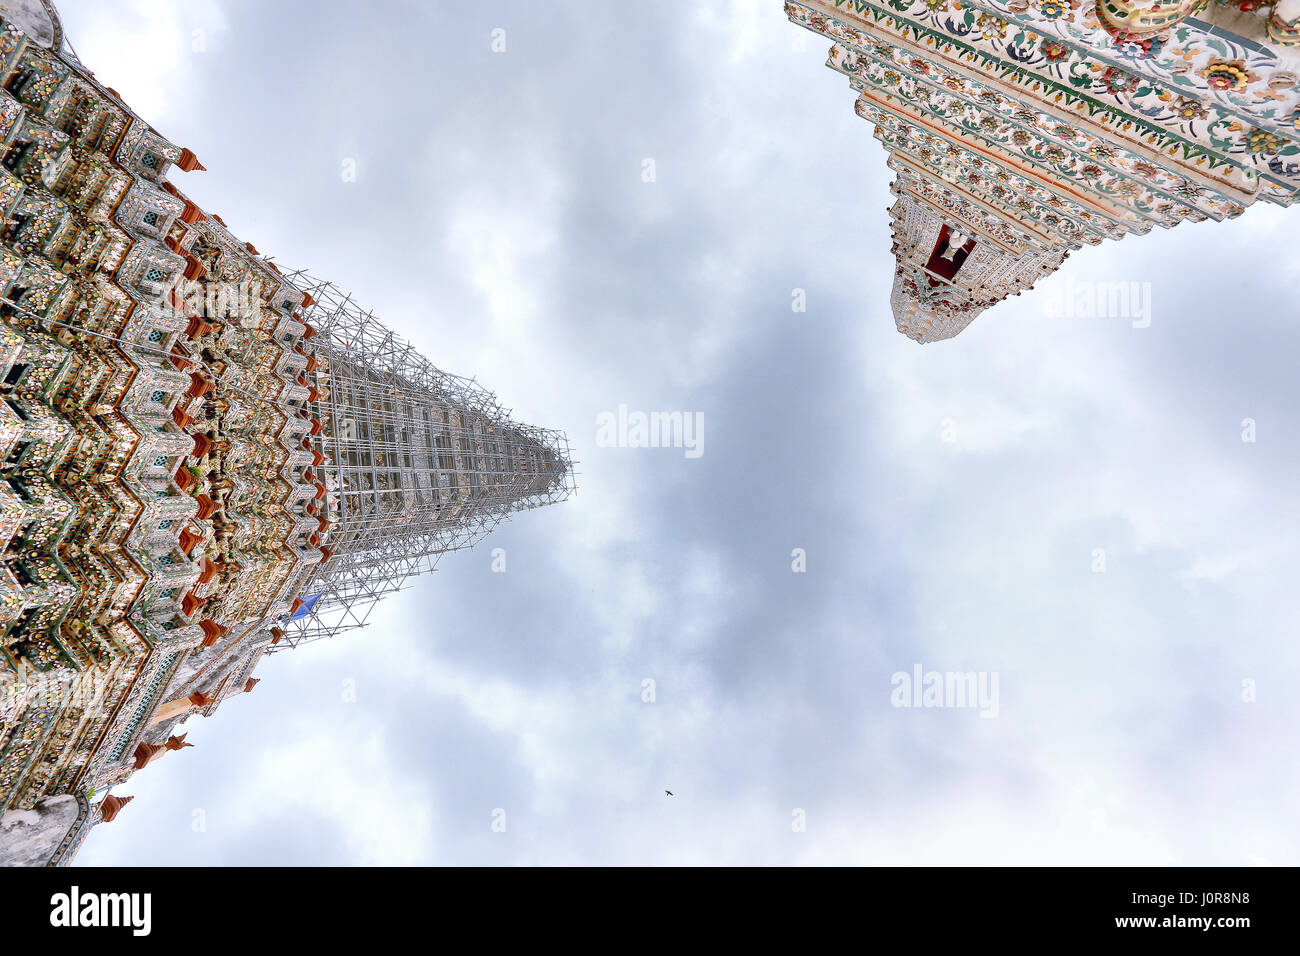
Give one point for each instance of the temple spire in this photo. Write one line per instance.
(111, 806)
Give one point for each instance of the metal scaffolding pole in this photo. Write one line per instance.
(418, 462)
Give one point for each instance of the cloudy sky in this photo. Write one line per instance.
(950, 499)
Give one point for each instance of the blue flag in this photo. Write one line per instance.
(307, 604)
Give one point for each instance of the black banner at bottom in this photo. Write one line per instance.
(1221, 906)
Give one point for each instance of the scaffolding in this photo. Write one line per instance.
(418, 463)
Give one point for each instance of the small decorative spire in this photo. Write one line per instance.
(144, 753)
(111, 806)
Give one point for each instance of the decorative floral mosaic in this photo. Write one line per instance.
(1028, 202)
(1241, 79)
(1061, 149)
(1131, 99)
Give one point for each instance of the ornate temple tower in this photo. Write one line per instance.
(203, 458)
(1022, 130)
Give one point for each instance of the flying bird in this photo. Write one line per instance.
(669, 792)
